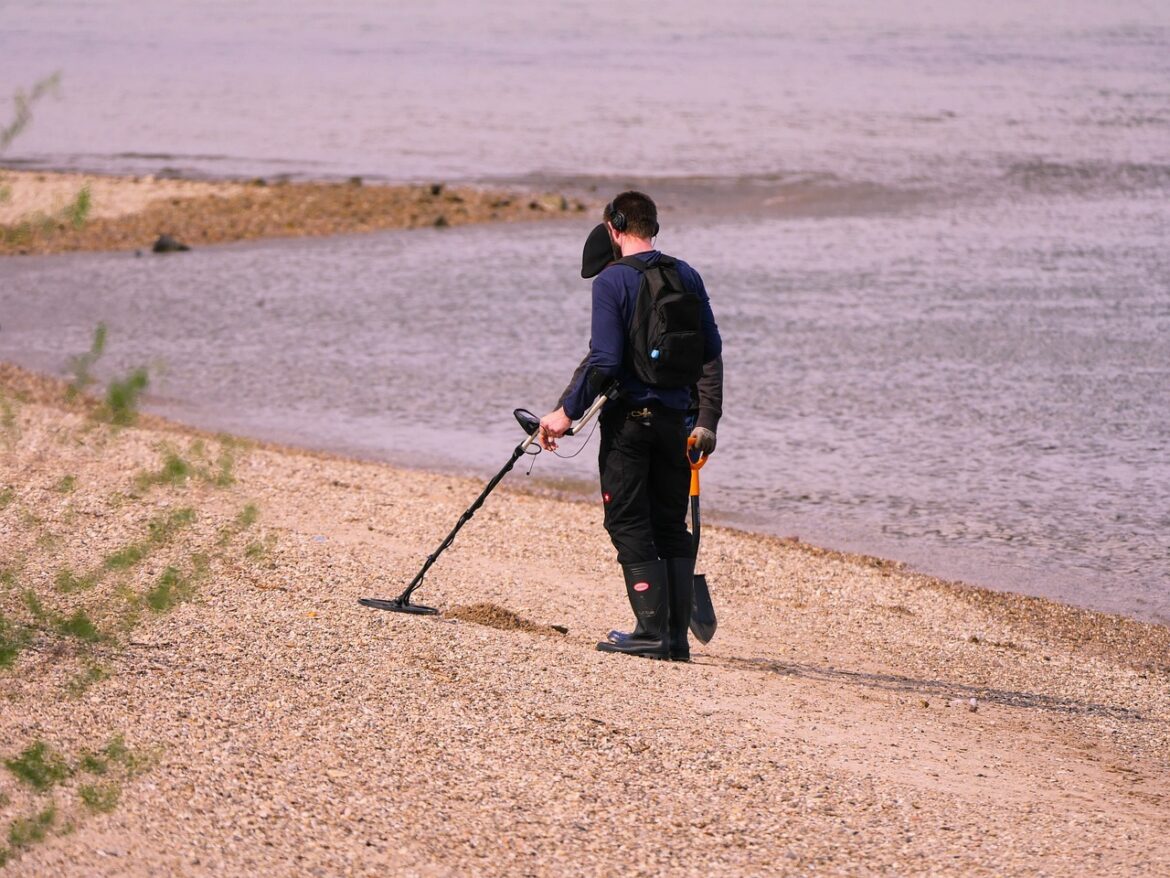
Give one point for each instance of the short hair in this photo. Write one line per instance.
(638, 210)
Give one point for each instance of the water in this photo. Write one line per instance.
(936, 241)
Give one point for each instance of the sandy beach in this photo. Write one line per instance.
(127, 213)
(191, 687)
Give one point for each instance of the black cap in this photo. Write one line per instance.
(598, 252)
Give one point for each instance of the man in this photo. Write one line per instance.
(645, 477)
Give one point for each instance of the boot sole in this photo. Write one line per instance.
(606, 646)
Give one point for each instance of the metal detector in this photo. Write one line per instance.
(531, 425)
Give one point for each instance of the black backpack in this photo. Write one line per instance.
(665, 339)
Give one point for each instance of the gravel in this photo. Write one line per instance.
(849, 717)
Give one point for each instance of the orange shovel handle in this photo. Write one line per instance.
(696, 464)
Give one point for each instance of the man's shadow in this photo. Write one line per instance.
(921, 687)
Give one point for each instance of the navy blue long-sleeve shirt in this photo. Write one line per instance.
(615, 292)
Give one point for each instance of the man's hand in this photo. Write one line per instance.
(704, 440)
(553, 427)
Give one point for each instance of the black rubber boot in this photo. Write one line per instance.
(616, 636)
(648, 588)
(681, 575)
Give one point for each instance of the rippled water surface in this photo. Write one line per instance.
(935, 239)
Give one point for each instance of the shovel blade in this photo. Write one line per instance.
(703, 620)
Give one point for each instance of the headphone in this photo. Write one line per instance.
(618, 220)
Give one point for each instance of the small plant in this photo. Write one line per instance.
(24, 832)
(24, 102)
(78, 211)
(101, 797)
(259, 550)
(8, 422)
(79, 625)
(175, 471)
(126, 557)
(67, 485)
(248, 516)
(93, 763)
(81, 364)
(122, 396)
(14, 637)
(224, 478)
(163, 528)
(7, 495)
(7, 578)
(67, 581)
(159, 531)
(39, 767)
(35, 608)
(132, 761)
(92, 674)
(172, 588)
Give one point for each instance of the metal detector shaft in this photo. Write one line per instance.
(404, 598)
(402, 602)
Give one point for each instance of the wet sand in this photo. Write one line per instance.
(849, 717)
(128, 213)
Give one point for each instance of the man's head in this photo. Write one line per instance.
(633, 213)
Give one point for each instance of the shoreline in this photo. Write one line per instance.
(1079, 626)
(260, 721)
(41, 214)
(1034, 610)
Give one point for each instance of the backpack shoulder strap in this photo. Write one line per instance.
(633, 262)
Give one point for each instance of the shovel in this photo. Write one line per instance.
(703, 620)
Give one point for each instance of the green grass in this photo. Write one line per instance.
(36, 609)
(131, 760)
(8, 578)
(171, 589)
(244, 519)
(94, 763)
(92, 674)
(8, 422)
(39, 767)
(67, 581)
(178, 470)
(6, 496)
(23, 102)
(81, 364)
(24, 832)
(122, 397)
(47, 541)
(79, 625)
(101, 797)
(174, 471)
(164, 527)
(126, 557)
(160, 530)
(67, 485)
(14, 637)
(78, 211)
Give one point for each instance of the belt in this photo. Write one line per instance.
(646, 413)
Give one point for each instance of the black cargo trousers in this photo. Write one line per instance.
(645, 482)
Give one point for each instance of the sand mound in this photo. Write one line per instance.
(495, 616)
